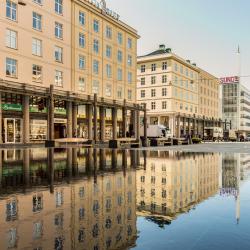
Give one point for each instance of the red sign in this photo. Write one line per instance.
(231, 79)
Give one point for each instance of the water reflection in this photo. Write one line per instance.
(91, 198)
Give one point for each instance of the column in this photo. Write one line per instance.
(95, 118)
(1, 168)
(178, 126)
(124, 162)
(184, 125)
(69, 164)
(89, 161)
(145, 126)
(51, 128)
(26, 119)
(50, 156)
(69, 119)
(102, 123)
(114, 159)
(124, 119)
(133, 122)
(102, 159)
(26, 166)
(74, 162)
(1, 120)
(74, 120)
(189, 126)
(90, 121)
(114, 120)
(138, 124)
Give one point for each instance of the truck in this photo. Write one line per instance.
(230, 135)
(213, 133)
(157, 131)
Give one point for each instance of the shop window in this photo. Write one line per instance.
(37, 203)
(11, 210)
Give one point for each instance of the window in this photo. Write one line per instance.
(96, 26)
(143, 81)
(37, 21)
(11, 39)
(11, 67)
(129, 43)
(175, 67)
(81, 40)
(108, 90)
(119, 74)
(96, 67)
(186, 71)
(164, 92)
(119, 56)
(81, 18)
(38, 1)
(129, 77)
(164, 79)
(143, 68)
(153, 79)
(142, 93)
(37, 203)
(36, 47)
(164, 105)
(108, 70)
(96, 46)
(153, 67)
(108, 51)
(11, 10)
(153, 105)
(12, 238)
(59, 6)
(11, 210)
(181, 69)
(95, 87)
(119, 38)
(153, 92)
(164, 66)
(119, 92)
(81, 62)
(58, 54)
(108, 32)
(81, 84)
(59, 198)
(130, 94)
(58, 30)
(36, 73)
(129, 60)
(58, 78)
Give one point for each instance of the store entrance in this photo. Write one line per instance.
(60, 131)
(12, 130)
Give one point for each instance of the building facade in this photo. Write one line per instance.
(236, 105)
(170, 87)
(55, 57)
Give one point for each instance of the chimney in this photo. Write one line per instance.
(194, 64)
(162, 46)
(188, 61)
(169, 50)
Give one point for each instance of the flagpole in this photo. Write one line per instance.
(239, 85)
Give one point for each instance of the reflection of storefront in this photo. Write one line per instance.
(12, 130)
(60, 128)
(38, 130)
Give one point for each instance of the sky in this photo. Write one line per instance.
(207, 32)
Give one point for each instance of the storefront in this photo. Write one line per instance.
(38, 130)
(12, 128)
(60, 128)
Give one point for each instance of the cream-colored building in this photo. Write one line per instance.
(79, 209)
(172, 183)
(169, 86)
(67, 52)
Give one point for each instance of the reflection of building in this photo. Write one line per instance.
(236, 104)
(232, 173)
(55, 55)
(178, 94)
(173, 183)
(83, 209)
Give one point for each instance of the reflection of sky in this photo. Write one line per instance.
(206, 32)
(211, 225)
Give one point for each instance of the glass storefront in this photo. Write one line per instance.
(38, 130)
(12, 130)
